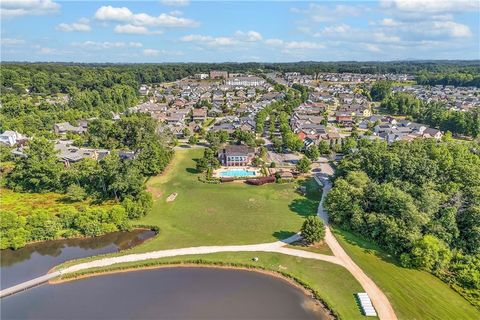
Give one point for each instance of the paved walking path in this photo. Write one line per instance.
(262, 247)
(340, 257)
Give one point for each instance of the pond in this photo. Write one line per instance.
(166, 293)
(37, 259)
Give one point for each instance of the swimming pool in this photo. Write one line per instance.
(237, 173)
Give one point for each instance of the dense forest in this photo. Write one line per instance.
(465, 79)
(420, 201)
(434, 114)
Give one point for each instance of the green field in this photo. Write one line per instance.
(25, 203)
(414, 294)
(222, 214)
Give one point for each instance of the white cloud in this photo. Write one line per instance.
(109, 13)
(82, 25)
(176, 3)
(372, 48)
(47, 51)
(132, 29)
(452, 28)
(151, 52)
(388, 22)
(176, 13)
(289, 45)
(123, 14)
(250, 36)
(15, 8)
(238, 38)
(431, 30)
(384, 38)
(302, 45)
(10, 42)
(208, 40)
(106, 45)
(431, 6)
(341, 28)
(323, 13)
(274, 42)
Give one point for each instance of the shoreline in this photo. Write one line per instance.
(303, 287)
(85, 238)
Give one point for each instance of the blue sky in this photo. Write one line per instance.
(220, 31)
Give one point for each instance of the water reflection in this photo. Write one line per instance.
(37, 259)
(168, 293)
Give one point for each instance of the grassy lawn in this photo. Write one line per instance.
(414, 294)
(222, 214)
(321, 248)
(331, 283)
(25, 203)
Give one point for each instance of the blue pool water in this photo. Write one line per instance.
(237, 173)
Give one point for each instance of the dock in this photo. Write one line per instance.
(29, 284)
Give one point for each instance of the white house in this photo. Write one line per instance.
(11, 138)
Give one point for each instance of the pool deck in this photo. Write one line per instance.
(217, 172)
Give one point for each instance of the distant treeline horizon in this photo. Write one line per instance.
(427, 72)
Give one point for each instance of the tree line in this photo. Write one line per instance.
(434, 114)
(420, 201)
(457, 79)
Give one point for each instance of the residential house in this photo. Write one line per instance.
(344, 118)
(11, 138)
(175, 118)
(432, 133)
(64, 127)
(199, 114)
(68, 153)
(236, 155)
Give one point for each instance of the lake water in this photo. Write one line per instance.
(166, 293)
(37, 259)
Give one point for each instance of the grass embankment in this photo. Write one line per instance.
(222, 214)
(331, 284)
(25, 203)
(414, 294)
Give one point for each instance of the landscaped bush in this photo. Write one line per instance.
(261, 181)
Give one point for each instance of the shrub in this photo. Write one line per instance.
(313, 230)
(261, 181)
(75, 193)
